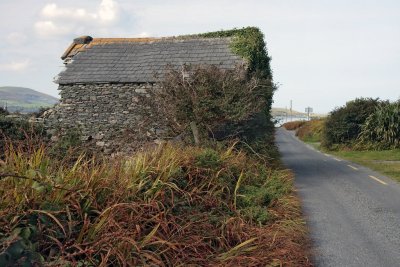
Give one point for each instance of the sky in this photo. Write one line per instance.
(324, 53)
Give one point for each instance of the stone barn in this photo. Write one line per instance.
(105, 80)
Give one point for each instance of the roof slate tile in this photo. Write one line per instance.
(139, 61)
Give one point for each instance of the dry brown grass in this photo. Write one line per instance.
(311, 131)
(293, 125)
(172, 206)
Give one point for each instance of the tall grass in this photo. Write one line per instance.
(293, 125)
(171, 206)
(311, 131)
(382, 128)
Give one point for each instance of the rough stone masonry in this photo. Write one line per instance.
(105, 85)
(104, 112)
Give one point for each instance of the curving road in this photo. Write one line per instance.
(353, 213)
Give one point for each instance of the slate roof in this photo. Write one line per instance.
(140, 60)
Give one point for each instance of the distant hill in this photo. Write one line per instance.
(24, 100)
(283, 111)
(280, 112)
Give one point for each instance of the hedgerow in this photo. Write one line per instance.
(343, 125)
(222, 103)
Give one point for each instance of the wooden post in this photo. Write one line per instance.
(195, 132)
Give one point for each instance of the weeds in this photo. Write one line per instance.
(167, 207)
(311, 131)
(293, 125)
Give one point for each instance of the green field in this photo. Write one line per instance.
(24, 100)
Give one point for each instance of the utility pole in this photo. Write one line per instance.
(291, 110)
(308, 111)
(286, 113)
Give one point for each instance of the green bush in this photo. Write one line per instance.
(3, 111)
(223, 104)
(311, 131)
(69, 144)
(208, 158)
(343, 125)
(382, 128)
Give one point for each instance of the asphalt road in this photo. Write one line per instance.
(353, 213)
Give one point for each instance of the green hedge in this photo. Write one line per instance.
(343, 124)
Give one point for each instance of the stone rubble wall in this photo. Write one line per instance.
(106, 112)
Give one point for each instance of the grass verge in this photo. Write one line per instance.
(384, 161)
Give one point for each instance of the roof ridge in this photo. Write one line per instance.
(146, 39)
(82, 43)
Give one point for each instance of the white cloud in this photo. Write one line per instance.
(15, 65)
(142, 35)
(52, 11)
(108, 11)
(48, 28)
(16, 38)
(57, 20)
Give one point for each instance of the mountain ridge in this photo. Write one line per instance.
(24, 99)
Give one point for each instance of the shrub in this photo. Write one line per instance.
(381, 130)
(222, 103)
(68, 144)
(3, 111)
(19, 131)
(311, 131)
(343, 125)
(293, 125)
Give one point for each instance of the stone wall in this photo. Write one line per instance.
(106, 113)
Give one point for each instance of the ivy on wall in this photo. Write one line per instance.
(249, 44)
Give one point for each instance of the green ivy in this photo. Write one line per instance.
(249, 44)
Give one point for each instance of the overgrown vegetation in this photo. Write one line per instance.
(363, 123)
(343, 125)
(222, 103)
(381, 130)
(17, 130)
(3, 112)
(307, 131)
(222, 202)
(378, 142)
(256, 126)
(167, 207)
(248, 43)
(293, 125)
(311, 131)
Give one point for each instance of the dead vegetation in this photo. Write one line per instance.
(171, 206)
